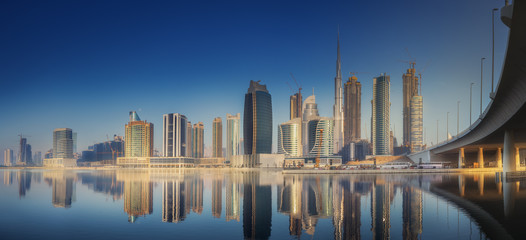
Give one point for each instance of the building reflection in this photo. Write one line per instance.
(103, 182)
(232, 197)
(62, 187)
(24, 182)
(217, 188)
(412, 213)
(138, 194)
(9, 177)
(197, 194)
(257, 207)
(174, 201)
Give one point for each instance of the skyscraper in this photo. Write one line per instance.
(321, 141)
(37, 158)
(417, 122)
(289, 138)
(411, 84)
(139, 137)
(295, 105)
(198, 141)
(338, 104)
(217, 138)
(232, 135)
(24, 154)
(189, 140)
(63, 143)
(8, 157)
(381, 115)
(257, 119)
(175, 139)
(353, 110)
(310, 112)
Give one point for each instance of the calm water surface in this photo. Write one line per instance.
(224, 204)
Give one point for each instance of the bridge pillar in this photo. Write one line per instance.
(499, 157)
(461, 158)
(480, 157)
(517, 158)
(509, 160)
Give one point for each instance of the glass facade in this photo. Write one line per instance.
(289, 138)
(232, 135)
(381, 106)
(139, 139)
(257, 120)
(62, 143)
(321, 137)
(174, 135)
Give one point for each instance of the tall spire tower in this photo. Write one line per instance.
(338, 102)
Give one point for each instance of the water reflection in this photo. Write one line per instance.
(306, 206)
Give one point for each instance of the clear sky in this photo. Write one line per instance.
(86, 64)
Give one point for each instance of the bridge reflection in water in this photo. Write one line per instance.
(264, 204)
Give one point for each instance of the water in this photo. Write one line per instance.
(237, 204)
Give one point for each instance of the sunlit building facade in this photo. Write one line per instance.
(296, 105)
(139, 137)
(410, 89)
(381, 107)
(233, 132)
(198, 132)
(417, 122)
(321, 136)
(175, 139)
(289, 138)
(8, 157)
(217, 137)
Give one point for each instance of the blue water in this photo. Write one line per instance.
(234, 204)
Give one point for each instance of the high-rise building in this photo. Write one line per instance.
(338, 104)
(189, 140)
(411, 84)
(417, 122)
(24, 154)
(8, 157)
(321, 132)
(217, 138)
(74, 142)
(63, 143)
(198, 140)
(107, 151)
(289, 138)
(37, 158)
(296, 105)
(175, 140)
(381, 115)
(353, 110)
(257, 119)
(310, 112)
(232, 135)
(139, 137)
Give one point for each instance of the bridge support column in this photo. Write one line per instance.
(461, 158)
(517, 158)
(509, 160)
(480, 157)
(499, 157)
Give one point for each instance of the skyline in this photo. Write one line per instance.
(310, 56)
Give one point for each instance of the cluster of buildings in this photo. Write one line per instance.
(24, 157)
(306, 140)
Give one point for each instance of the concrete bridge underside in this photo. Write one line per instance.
(501, 130)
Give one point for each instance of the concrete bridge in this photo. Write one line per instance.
(500, 130)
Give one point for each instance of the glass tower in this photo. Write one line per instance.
(175, 140)
(139, 137)
(232, 135)
(381, 115)
(63, 143)
(257, 120)
(289, 138)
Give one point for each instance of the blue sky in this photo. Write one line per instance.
(86, 64)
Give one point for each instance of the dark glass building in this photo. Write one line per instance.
(257, 119)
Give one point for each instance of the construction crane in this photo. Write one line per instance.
(297, 85)
(317, 165)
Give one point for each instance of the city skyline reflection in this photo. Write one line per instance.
(266, 204)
